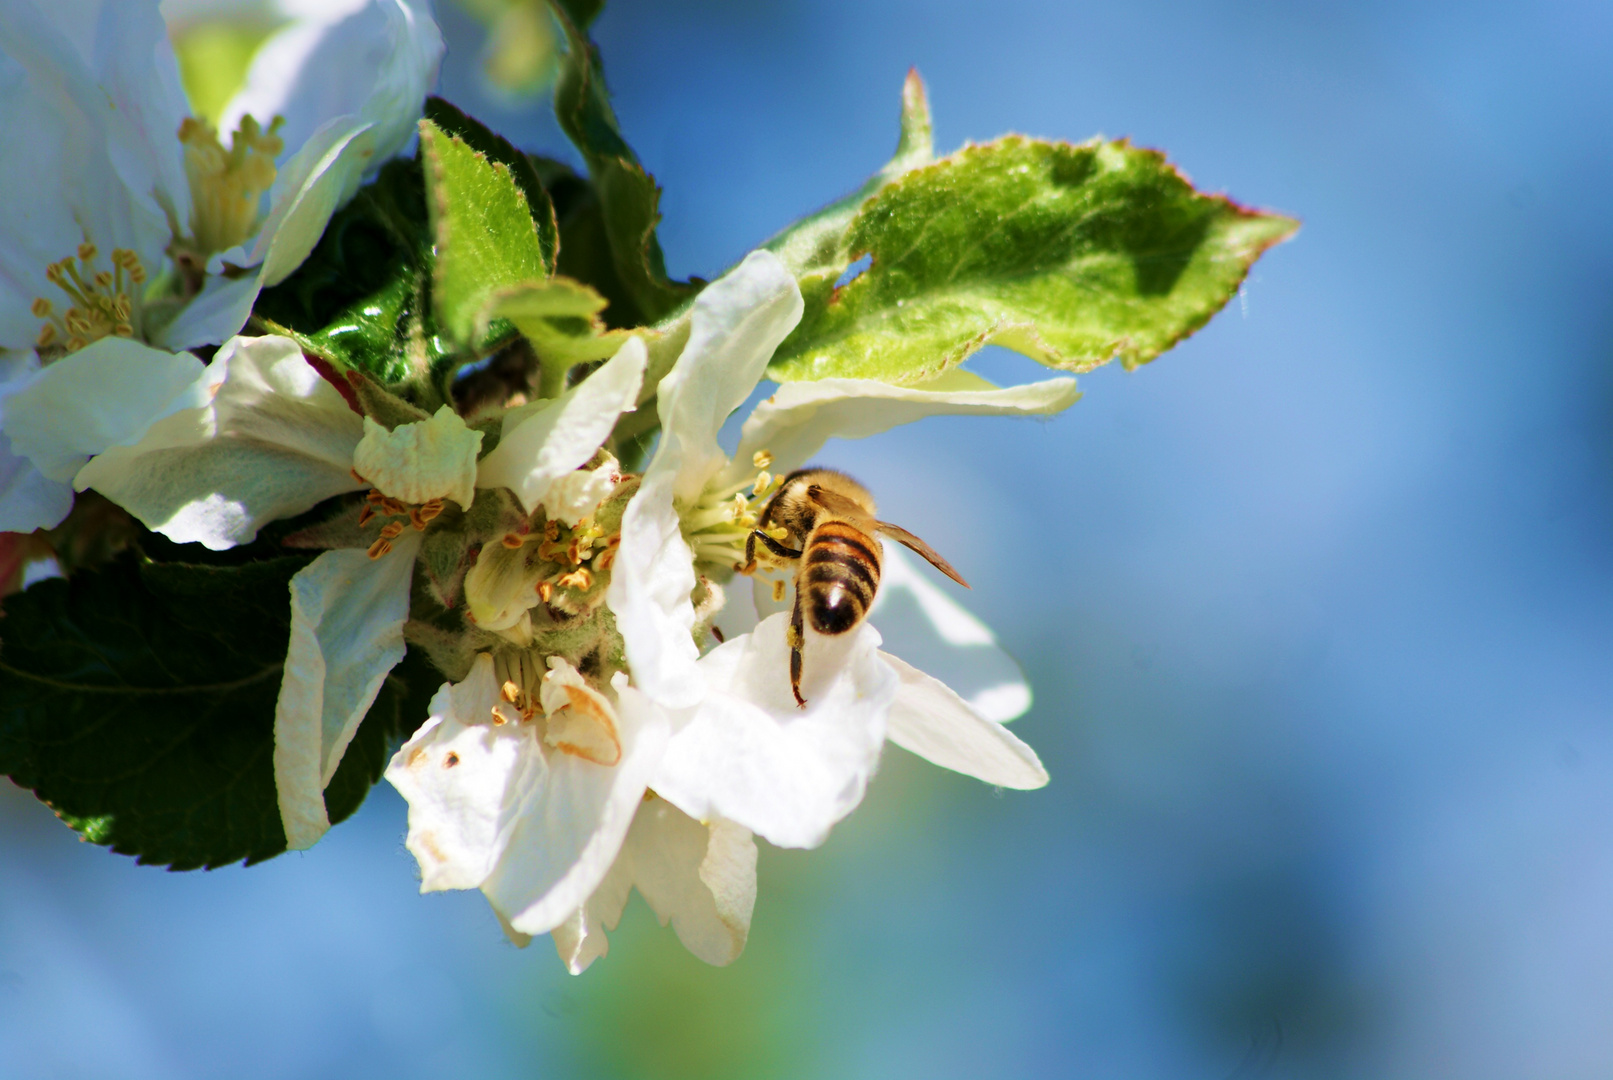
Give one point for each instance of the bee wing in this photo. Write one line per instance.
(837, 504)
(907, 539)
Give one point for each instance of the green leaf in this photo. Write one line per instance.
(139, 704)
(560, 317)
(629, 199)
(359, 298)
(496, 148)
(483, 224)
(1070, 254)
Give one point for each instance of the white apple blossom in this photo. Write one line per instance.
(273, 439)
(742, 749)
(132, 230)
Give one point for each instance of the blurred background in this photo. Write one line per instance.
(1318, 608)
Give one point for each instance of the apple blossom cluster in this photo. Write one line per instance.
(499, 466)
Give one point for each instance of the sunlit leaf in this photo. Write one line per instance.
(1071, 254)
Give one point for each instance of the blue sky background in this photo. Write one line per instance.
(1317, 608)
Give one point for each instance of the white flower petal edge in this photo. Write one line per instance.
(751, 755)
(548, 440)
(736, 324)
(493, 807)
(57, 417)
(274, 440)
(79, 92)
(701, 878)
(800, 417)
(939, 726)
(347, 616)
(374, 61)
(932, 631)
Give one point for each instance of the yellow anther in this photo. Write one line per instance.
(778, 590)
(103, 279)
(75, 343)
(545, 590)
(226, 185)
(41, 308)
(47, 335)
(379, 548)
(365, 516)
(392, 530)
(510, 692)
(579, 579)
(762, 459)
(87, 251)
(123, 329)
(511, 541)
(764, 480)
(551, 530)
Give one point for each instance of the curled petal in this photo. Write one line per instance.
(736, 324)
(939, 726)
(750, 755)
(701, 878)
(796, 421)
(649, 594)
(547, 441)
(465, 777)
(274, 440)
(491, 806)
(568, 831)
(924, 625)
(29, 499)
(425, 460)
(347, 616)
(375, 61)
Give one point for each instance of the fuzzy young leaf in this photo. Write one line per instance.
(1070, 254)
(560, 317)
(487, 238)
(138, 702)
(628, 196)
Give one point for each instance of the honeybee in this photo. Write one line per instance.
(830, 520)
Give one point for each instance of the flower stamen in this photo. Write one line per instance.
(226, 186)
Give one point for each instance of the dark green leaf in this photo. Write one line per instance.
(629, 199)
(138, 702)
(359, 298)
(1071, 254)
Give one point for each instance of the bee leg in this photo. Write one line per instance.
(796, 639)
(768, 542)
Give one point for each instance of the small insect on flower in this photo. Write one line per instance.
(831, 519)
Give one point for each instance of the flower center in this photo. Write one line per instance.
(101, 302)
(378, 505)
(719, 522)
(226, 186)
(576, 718)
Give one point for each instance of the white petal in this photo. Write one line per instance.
(321, 176)
(750, 755)
(939, 726)
(376, 62)
(275, 439)
(927, 627)
(347, 616)
(700, 878)
(796, 421)
(85, 88)
(465, 778)
(104, 395)
(736, 324)
(547, 440)
(568, 830)
(421, 461)
(28, 499)
(216, 314)
(649, 594)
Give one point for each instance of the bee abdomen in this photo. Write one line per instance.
(841, 576)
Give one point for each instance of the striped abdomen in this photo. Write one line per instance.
(840, 573)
